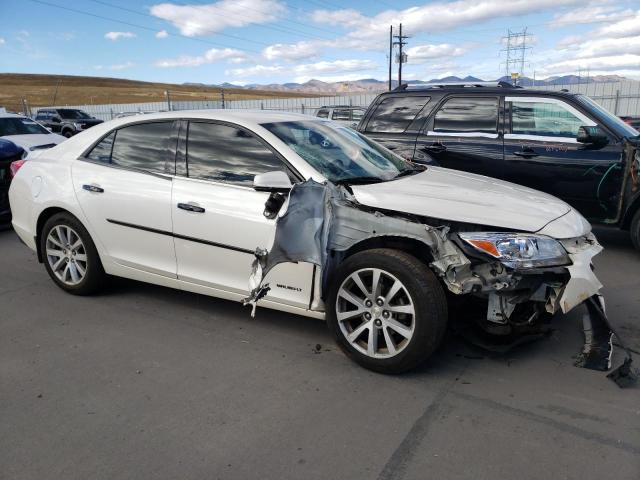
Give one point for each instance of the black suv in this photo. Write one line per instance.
(561, 143)
(66, 121)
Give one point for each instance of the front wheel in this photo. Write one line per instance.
(70, 256)
(386, 310)
(635, 230)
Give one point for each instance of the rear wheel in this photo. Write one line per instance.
(635, 230)
(70, 256)
(67, 133)
(386, 310)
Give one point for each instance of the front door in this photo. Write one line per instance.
(464, 134)
(125, 194)
(541, 152)
(218, 217)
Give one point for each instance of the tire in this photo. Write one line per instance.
(67, 133)
(66, 265)
(420, 292)
(635, 230)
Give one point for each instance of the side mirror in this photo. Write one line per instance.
(277, 181)
(592, 135)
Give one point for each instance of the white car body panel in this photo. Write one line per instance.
(35, 140)
(234, 216)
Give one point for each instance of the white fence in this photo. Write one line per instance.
(620, 98)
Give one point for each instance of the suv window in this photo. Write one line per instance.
(341, 114)
(467, 115)
(395, 114)
(323, 113)
(544, 119)
(223, 153)
(145, 146)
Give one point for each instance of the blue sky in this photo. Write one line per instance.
(276, 41)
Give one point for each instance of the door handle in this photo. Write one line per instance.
(434, 148)
(191, 208)
(525, 153)
(93, 188)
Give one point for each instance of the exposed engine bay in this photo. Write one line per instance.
(323, 223)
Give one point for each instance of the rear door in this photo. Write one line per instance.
(465, 134)
(124, 190)
(395, 122)
(218, 217)
(541, 152)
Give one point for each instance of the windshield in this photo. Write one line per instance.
(20, 126)
(73, 114)
(614, 122)
(339, 153)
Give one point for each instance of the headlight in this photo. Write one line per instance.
(78, 126)
(519, 250)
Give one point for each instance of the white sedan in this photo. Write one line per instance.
(178, 199)
(27, 133)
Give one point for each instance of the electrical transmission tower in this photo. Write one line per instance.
(516, 50)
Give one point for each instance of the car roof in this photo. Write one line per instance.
(11, 115)
(477, 90)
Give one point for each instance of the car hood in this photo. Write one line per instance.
(35, 140)
(465, 197)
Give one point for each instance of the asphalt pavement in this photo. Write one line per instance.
(147, 382)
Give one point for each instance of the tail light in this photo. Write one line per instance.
(14, 167)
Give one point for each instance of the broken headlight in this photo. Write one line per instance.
(519, 250)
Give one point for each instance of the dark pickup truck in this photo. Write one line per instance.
(561, 143)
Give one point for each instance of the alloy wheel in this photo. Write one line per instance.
(66, 255)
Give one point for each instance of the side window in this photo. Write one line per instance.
(102, 151)
(323, 113)
(227, 154)
(145, 146)
(357, 114)
(545, 119)
(341, 114)
(467, 115)
(395, 114)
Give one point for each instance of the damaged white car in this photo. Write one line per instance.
(308, 217)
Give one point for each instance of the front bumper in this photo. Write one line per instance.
(583, 283)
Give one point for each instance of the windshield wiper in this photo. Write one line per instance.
(358, 180)
(411, 171)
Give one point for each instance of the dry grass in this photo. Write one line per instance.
(39, 90)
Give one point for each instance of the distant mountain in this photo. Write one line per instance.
(371, 85)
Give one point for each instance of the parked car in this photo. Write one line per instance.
(185, 199)
(343, 114)
(26, 133)
(66, 121)
(560, 143)
(10, 154)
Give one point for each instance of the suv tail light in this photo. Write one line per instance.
(14, 167)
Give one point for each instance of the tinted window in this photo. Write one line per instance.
(102, 151)
(395, 114)
(227, 154)
(544, 119)
(468, 114)
(20, 126)
(145, 146)
(341, 114)
(73, 114)
(323, 113)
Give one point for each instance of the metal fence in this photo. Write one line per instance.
(620, 98)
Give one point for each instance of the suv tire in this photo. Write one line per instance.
(395, 326)
(70, 256)
(635, 230)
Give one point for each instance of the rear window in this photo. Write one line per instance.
(323, 113)
(395, 114)
(467, 115)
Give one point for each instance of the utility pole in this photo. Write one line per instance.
(516, 49)
(222, 97)
(390, 53)
(168, 95)
(55, 93)
(402, 57)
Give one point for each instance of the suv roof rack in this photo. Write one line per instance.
(500, 84)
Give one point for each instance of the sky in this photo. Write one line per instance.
(279, 41)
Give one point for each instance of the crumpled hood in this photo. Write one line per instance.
(464, 197)
(35, 139)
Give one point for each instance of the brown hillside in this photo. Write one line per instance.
(39, 90)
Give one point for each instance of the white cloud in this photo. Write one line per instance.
(2, 41)
(162, 34)
(605, 64)
(297, 51)
(113, 36)
(590, 14)
(624, 28)
(308, 70)
(194, 20)
(116, 67)
(422, 53)
(210, 56)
